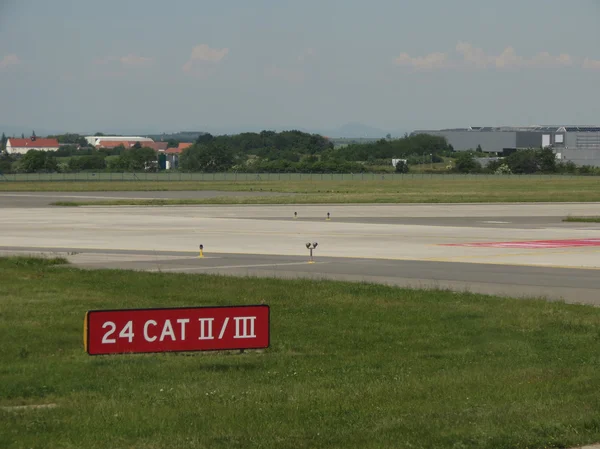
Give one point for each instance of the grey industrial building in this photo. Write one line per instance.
(579, 144)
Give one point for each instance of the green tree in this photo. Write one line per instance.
(89, 162)
(37, 161)
(211, 157)
(204, 138)
(523, 162)
(3, 142)
(69, 138)
(136, 159)
(401, 167)
(547, 160)
(492, 166)
(568, 167)
(466, 163)
(66, 151)
(6, 161)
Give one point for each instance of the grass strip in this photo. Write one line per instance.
(582, 220)
(393, 190)
(351, 365)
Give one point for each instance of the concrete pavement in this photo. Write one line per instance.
(487, 248)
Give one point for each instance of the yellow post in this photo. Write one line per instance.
(201, 252)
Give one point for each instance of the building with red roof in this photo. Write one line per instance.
(22, 146)
(156, 146)
(173, 155)
(111, 144)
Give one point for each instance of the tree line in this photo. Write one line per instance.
(522, 162)
(295, 151)
(284, 152)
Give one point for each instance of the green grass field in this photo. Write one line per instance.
(582, 219)
(350, 365)
(428, 189)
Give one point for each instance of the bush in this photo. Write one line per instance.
(80, 163)
(503, 170)
(135, 159)
(402, 167)
(465, 163)
(532, 161)
(35, 161)
(6, 162)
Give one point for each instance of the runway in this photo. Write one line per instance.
(519, 250)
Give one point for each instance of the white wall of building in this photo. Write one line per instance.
(22, 150)
(93, 140)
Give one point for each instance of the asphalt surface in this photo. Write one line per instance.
(489, 222)
(570, 285)
(403, 245)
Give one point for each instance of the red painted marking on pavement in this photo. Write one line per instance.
(534, 244)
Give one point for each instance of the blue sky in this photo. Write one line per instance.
(82, 65)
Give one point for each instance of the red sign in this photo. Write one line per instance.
(534, 244)
(176, 330)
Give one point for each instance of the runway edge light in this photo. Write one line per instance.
(311, 246)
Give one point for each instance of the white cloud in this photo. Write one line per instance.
(545, 59)
(204, 54)
(8, 61)
(431, 61)
(289, 75)
(473, 57)
(510, 59)
(593, 64)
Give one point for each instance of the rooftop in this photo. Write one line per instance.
(33, 143)
(535, 128)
